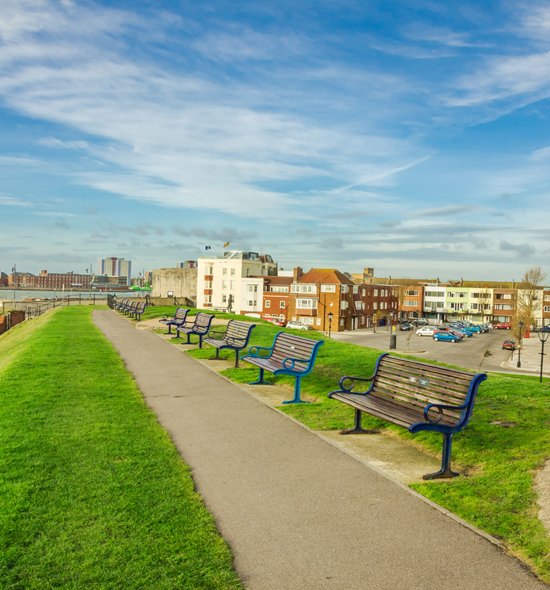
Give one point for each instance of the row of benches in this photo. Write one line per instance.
(130, 307)
(411, 394)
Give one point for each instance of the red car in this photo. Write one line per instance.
(503, 326)
(509, 345)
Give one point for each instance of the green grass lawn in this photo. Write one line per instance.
(93, 493)
(506, 442)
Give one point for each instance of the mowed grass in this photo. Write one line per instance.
(500, 451)
(92, 491)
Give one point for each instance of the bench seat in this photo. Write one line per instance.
(198, 325)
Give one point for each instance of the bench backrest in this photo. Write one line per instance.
(181, 313)
(238, 330)
(297, 347)
(202, 322)
(414, 384)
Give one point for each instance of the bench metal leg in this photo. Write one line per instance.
(296, 399)
(357, 428)
(445, 470)
(236, 359)
(260, 380)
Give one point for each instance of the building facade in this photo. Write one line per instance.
(117, 268)
(234, 282)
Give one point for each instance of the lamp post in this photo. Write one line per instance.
(329, 315)
(543, 333)
(520, 326)
(14, 275)
(393, 336)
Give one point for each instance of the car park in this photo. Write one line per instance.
(509, 345)
(445, 336)
(298, 326)
(462, 330)
(426, 331)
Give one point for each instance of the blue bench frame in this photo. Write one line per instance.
(281, 359)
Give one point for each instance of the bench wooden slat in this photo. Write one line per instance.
(235, 337)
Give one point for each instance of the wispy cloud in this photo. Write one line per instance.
(13, 202)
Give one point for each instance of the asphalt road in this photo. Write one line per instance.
(481, 352)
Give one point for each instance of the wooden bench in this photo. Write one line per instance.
(138, 310)
(289, 355)
(235, 337)
(198, 325)
(416, 396)
(178, 319)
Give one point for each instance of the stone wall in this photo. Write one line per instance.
(175, 282)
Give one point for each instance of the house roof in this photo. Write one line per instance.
(325, 275)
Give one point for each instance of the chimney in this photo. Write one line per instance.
(298, 272)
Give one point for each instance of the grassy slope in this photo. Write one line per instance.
(92, 492)
(506, 442)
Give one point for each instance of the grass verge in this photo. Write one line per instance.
(501, 450)
(92, 491)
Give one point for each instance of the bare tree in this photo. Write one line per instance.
(529, 291)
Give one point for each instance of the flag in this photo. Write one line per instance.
(208, 247)
(226, 244)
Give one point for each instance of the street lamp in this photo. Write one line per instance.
(543, 333)
(329, 315)
(520, 326)
(393, 336)
(14, 275)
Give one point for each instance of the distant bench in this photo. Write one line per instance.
(235, 337)
(416, 396)
(198, 325)
(178, 319)
(289, 355)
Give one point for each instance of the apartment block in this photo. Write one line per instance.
(233, 281)
(117, 268)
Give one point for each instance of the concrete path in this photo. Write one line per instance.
(297, 512)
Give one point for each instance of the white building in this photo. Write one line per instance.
(233, 281)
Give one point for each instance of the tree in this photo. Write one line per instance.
(529, 290)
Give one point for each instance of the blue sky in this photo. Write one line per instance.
(413, 137)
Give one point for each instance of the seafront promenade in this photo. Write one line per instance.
(297, 511)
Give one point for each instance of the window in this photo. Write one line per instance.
(224, 298)
(267, 303)
(412, 292)
(328, 288)
(306, 303)
(344, 289)
(208, 284)
(224, 284)
(296, 288)
(355, 289)
(232, 272)
(410, 303)
(282, 304)
(279, 289)
(252, 288)
(307, 320)
(251, 303)
(344, 305)
(224, 271)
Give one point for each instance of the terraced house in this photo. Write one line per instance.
(323, 298)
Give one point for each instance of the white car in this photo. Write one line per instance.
(425, 331)
(298, 326)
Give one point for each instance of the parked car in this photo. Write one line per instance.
(298, 326)
(462, 330)
(426, 331)
(503, 326)
(405, 326)
(445, 335)
(274, 321)
(420, 322)
(509, 345)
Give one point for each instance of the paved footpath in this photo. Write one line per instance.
(297, 512)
